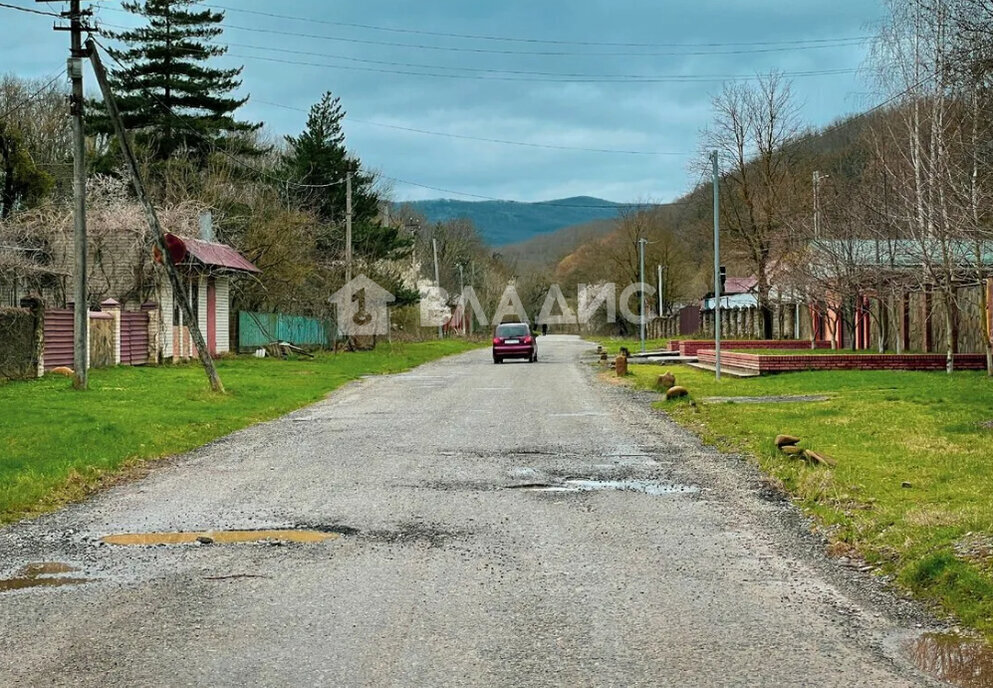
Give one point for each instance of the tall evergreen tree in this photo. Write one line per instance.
(167, 67)
(316, 163)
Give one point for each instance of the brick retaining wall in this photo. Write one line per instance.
(765, 363)
(690, 347)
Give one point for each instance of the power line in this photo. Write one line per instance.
(30, 10)
(31, 98)
(186, 125)
(349, 118)
(483, 73)
(481, 77)
(770, 47)
(493, 51)
(514, 39)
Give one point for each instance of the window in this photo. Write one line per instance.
(513, 330)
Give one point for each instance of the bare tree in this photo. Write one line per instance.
(752, 129)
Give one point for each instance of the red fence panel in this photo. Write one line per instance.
(59, 328)
(134, 338)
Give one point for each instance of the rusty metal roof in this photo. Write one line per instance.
(186, 251)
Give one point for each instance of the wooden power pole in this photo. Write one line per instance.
(81, 306)
(178, 290)
(348, 227)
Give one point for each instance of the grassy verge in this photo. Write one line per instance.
(613, 344)
(913, 489)
(57, 445)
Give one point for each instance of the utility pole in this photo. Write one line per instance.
(660, 293)
(178, 288)
(462, 295)
(81, 306)
(348, 227)
(717, 268)
(817, 202)
(437, 281)
(641, 291)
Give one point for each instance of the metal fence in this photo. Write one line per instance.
(258, 329)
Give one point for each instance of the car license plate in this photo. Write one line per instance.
(513, 341)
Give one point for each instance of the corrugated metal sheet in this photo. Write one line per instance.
(259, 329)
(59, 328)
(134, 338)
(186, 250)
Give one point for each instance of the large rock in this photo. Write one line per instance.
(819, 459)
(62, 370)
(786, 441)
(666, 381)
(676, 392)
(791, 450)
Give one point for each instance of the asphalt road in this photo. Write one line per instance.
(455, 573)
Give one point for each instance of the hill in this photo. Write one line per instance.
(546, 250)
(510, 222)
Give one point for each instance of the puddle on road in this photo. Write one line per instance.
(578, 485)
(220, 537)
(41, 575)
(959, 660)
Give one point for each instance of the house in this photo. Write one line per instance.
(128, 283)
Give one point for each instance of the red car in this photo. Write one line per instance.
(514, 340)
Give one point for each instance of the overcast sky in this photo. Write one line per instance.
(546, 87)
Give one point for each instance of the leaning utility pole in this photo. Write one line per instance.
(178, 290)
(717, 268)
(348, 227)
(81, 306)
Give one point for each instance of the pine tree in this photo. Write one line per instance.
(166, 68)
(318, 158)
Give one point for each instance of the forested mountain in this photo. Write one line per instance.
(509, 222)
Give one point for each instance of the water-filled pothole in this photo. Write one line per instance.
(959, 660)
(42, 575)
(583, 485)
(221, 537)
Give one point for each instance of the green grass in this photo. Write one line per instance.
(613, 344)
(57, 444)
(884, 428)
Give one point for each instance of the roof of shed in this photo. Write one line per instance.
(185, 251)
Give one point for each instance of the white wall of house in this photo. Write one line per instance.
(222, 286)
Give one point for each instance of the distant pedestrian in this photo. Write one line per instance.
(544, 328)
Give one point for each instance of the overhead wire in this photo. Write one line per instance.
(398, 127)
(31, 98)
(30, 10)
(189, 127)
(517, 39)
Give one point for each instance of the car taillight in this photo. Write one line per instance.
(527, 340)
(497, 340)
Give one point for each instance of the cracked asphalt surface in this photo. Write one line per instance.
(450, 572)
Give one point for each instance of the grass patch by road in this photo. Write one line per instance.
(932, 431)
(57, 445)
(613, 344)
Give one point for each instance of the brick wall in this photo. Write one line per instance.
(778, 364)
(690, 347)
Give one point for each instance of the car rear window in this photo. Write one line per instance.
(516, 330)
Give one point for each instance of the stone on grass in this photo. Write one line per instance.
(791, 450)
(621, 366)
(819, 459)
(676, 392)
(786, 441)
(62, 370)
(603, 356)
(906, 485)
(666, 381)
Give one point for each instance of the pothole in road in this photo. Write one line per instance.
(581, 485)
(220, 537)
(956, 659)
(42, 575)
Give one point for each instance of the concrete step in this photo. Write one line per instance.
(726, 370)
